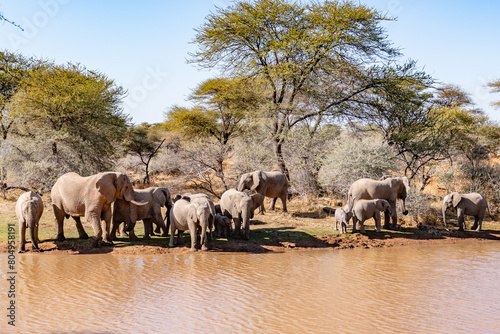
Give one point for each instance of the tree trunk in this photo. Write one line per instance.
(278, 153)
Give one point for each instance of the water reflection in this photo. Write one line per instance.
(438, 289)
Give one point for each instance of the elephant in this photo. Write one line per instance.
(29, 210)
(91, 197)
(269, 184)
(202, 198)
(128, 213)
(342, 217)
(365, 209)
(222, 226)
(390, 189)
(239, 206)
(188, 215)
(472, 204)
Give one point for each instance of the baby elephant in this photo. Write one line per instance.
(342, 217)
(223, 226)
(365, 209)
(29, 209)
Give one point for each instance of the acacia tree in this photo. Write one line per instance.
(144, 144)
(222, 111)
(313, 57)
(67, 118)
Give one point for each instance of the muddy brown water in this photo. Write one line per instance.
(424, 289)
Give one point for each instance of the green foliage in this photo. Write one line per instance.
(495, 88)
(222, 110)
(193, 122)
(297, 50)
(64, 118)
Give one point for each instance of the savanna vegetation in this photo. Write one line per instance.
(316, 90)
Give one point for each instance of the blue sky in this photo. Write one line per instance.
(143, 45)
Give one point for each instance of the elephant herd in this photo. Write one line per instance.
(109, 197)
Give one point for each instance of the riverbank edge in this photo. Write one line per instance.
(406, 237)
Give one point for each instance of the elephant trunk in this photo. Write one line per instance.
(444, 214)
(405, 212)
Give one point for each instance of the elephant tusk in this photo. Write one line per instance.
(138, 203)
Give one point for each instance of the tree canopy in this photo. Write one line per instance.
(315, 58)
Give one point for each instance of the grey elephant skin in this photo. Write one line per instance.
(391, 189)
(269, 184)
(222, 225)
(342, 217)
(202, 198)
(89, 197)
(365, 209)
(193, 216)
(472, 204)
(129, 213)
(29, 210)
(240, 206)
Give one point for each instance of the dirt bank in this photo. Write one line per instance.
(387, 238)
(306, 227)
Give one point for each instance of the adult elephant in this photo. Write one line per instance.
(269, 184)
(240, 206)
(187, 215)
(472, 204)
(391, 189)
(89, 197)
(128, 213)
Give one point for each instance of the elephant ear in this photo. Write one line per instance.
(257, 177)
(191, 213)
(162, 197)
(456, 198)
(106, 186)
(257, 199)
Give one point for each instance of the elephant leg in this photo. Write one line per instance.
(193, 229)
(106, 217)
(148, 226)
(237, 227)
(377, 221)
(273, 203)
(172, 233)
(112, 234)
(95, 221)
(283, 202)
(476, 220)
(203, 238)
(387, 220)
(362, 226)
(179, 238)
(81, 232)
(132, 236)
(394, 217)
(22, 237)
(168, 224)
(60, 222)
(343, 227)
(262, 209)
(36, 234)
(336, 225)
(460, 217)
(354, 222)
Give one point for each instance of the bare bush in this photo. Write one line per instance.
(352, 158)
